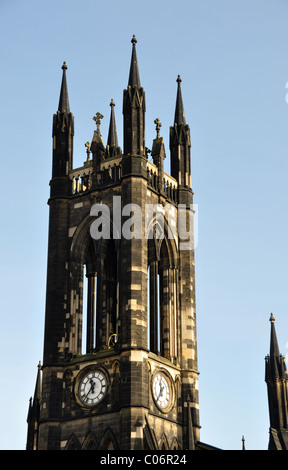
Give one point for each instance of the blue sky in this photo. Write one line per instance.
(233, 60)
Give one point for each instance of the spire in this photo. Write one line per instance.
(62, 133)
(276, 379)
(64, 100)
(179, 110)
(180, 144)
(134, 111)
(112, 135)
(134, 78)
(112, 142)
(275, 362)
(33, 414)
(274, 348)
(38, 386)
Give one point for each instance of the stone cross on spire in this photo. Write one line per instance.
(97, 118)
(158, 126)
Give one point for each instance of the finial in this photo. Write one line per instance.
(97, 118)
(158, 126)
(64, 66)
(272, 319)
(179, 80)
(112, 104)
(134, 40)
(88, 147)
(243, 443)
(39, 365)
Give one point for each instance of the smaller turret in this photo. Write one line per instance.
(112, 142)
(63, 133)
(134, 110)
(180, 143)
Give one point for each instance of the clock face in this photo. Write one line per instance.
(92, 388)
(162, 391)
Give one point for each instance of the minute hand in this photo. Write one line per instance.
(90, 389)
(160, 392)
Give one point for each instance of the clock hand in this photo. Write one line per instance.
(92, 385)
(91, 389)
(160, 392)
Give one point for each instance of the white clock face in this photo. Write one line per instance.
(161, 391)
(92, 388)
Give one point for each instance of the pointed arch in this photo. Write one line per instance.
(174, 444)
(178, 387)
(94, 272)
(162, 287)
(72, 443)
(150, 442)
(115, 383)
(108, 441)
(163, 443)
(90, 442)
(80, 239)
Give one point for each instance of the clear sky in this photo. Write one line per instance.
(233, 60)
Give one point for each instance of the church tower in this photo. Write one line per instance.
(119, 366)
(276, 378)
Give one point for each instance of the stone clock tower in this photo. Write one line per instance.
(119, 367)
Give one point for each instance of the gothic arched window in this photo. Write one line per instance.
(161, 301)
(100, 296)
